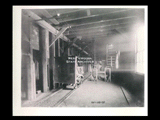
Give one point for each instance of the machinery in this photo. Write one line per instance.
(99, 72)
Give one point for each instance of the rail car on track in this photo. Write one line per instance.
(73, 76)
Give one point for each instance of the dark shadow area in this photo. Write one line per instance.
(67, 88)
(132, 82)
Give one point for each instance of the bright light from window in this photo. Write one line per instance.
(140, 38)
(140, 42)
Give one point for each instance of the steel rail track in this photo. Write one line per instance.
(124, 96)
(66, 96)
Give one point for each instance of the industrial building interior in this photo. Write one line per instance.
(113, 38)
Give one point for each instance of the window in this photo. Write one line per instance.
(140, 48)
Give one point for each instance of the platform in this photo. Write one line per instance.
(89, 94)
(99, 94)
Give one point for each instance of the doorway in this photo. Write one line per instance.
(36, 59)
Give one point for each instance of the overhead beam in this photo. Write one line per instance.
(72, 43)
(102, 21)
(89, 35)
(102, 24)
(59, 34)
(99, 35)
(55, 16)
(95, 32)
(47, 26)
(54, 21)
(73, 11)
(74, 40)
(43, 23)
(84, 47)
(80, 48)
(93, 15)
(99, 26)
(44, 15)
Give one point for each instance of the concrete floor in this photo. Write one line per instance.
(89, 94)
(98, 94)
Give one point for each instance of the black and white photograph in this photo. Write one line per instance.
(80, 60)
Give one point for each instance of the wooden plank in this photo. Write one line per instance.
(47, 26)
(59, 35)
(53, 20)
(43, 23)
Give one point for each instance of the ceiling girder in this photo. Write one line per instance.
(102, 21)
(95, 31)
(58, 35)
(90, 16)
(47, 26)
(100, 26)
